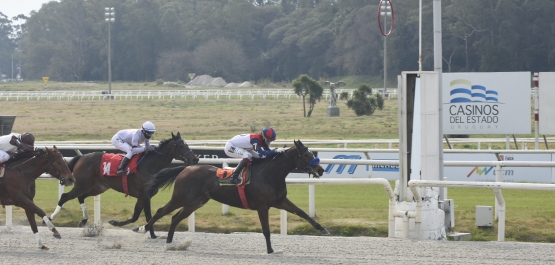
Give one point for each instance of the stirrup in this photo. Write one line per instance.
(122, 172)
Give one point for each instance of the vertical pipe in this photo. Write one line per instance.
(9, 217)
(311, 202)
(97, 220)
(536, 111)
(498, 178)
(191, 222)
(283, 222)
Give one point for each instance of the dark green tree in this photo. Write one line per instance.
(363, 102)
(304, 85)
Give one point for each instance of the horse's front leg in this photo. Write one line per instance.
(30, 210)
(136, 213)
(289, 206)
(264, 221)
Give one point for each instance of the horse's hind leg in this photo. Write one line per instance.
(171, 206)
(178, 217)
(289, 206)
(81, 200)
(136, 213)
(264, 221)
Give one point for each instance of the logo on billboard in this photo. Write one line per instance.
(485, 171)
(472, 106)
(342, 167)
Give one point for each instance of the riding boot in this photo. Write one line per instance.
(122, 169)
(235, 177)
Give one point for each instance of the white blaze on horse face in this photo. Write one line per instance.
(106, 168)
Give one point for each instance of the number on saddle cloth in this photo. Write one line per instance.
(110, 163)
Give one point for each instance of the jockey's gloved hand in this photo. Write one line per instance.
(40, 150)
(279, 150)
(150, 148)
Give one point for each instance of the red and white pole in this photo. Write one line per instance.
(536, 80)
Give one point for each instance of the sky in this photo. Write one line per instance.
(12, 8)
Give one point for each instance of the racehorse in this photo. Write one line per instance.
(18, 188)
(195, 185)
(89, 180)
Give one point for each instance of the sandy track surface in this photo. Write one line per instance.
(122, 246)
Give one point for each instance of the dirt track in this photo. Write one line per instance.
(122, 246)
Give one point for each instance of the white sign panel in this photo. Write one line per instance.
(510, 174)
(546, 107)
(486, 103)
(468, 173)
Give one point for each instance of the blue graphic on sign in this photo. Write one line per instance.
(463, 91)
(341, 167)
(385, 168)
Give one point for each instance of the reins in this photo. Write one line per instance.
(41, 154)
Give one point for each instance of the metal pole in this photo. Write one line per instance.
(536, 111)
(385, 53)
(109, 57)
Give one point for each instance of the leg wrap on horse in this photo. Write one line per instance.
(56, 212)
(37, 239)
(85, 212)
(48, 223)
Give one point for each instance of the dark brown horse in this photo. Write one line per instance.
(18, 188)
(195, 185)
(89, 180)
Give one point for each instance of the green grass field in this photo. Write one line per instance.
(345, 210)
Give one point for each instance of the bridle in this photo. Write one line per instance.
(306, 168)
(183, 157)
(50, 162)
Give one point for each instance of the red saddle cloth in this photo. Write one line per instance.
(110, 163)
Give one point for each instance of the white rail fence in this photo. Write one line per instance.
(168, 94)
(496, 186)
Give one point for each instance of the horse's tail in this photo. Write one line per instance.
(72, 162)
(163, 179)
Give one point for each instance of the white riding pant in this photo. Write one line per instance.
(238, 152)
(4, 156)
(125, 147)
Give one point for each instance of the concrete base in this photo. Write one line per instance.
(333, 111)
(433, 219)
(459, 236)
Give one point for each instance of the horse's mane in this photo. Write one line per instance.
(163, 142)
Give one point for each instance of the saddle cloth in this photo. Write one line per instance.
(110, 163)
(224, 174)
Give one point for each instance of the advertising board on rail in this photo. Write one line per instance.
(468, 173)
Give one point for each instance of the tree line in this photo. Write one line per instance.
(276, 40)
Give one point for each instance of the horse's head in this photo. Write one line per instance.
(305, 160)
(57, 166)
(182, 151)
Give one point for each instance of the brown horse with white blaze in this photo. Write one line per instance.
(195, 185)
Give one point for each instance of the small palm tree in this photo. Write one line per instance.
(304, 85)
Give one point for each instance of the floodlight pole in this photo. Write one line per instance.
(109, 17)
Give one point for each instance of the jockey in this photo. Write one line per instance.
(247, 146)
(130, 140)
(14, 143)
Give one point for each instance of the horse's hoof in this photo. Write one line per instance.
(82, 223)
(113, 222)
(43, 247)
(325, 232)
(58, 236)
(135, 229)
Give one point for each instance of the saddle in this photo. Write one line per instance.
(110, 163)
(109, 167)
(224, 174)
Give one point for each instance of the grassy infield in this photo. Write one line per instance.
(344, 210)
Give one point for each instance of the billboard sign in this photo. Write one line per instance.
(486, 103)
